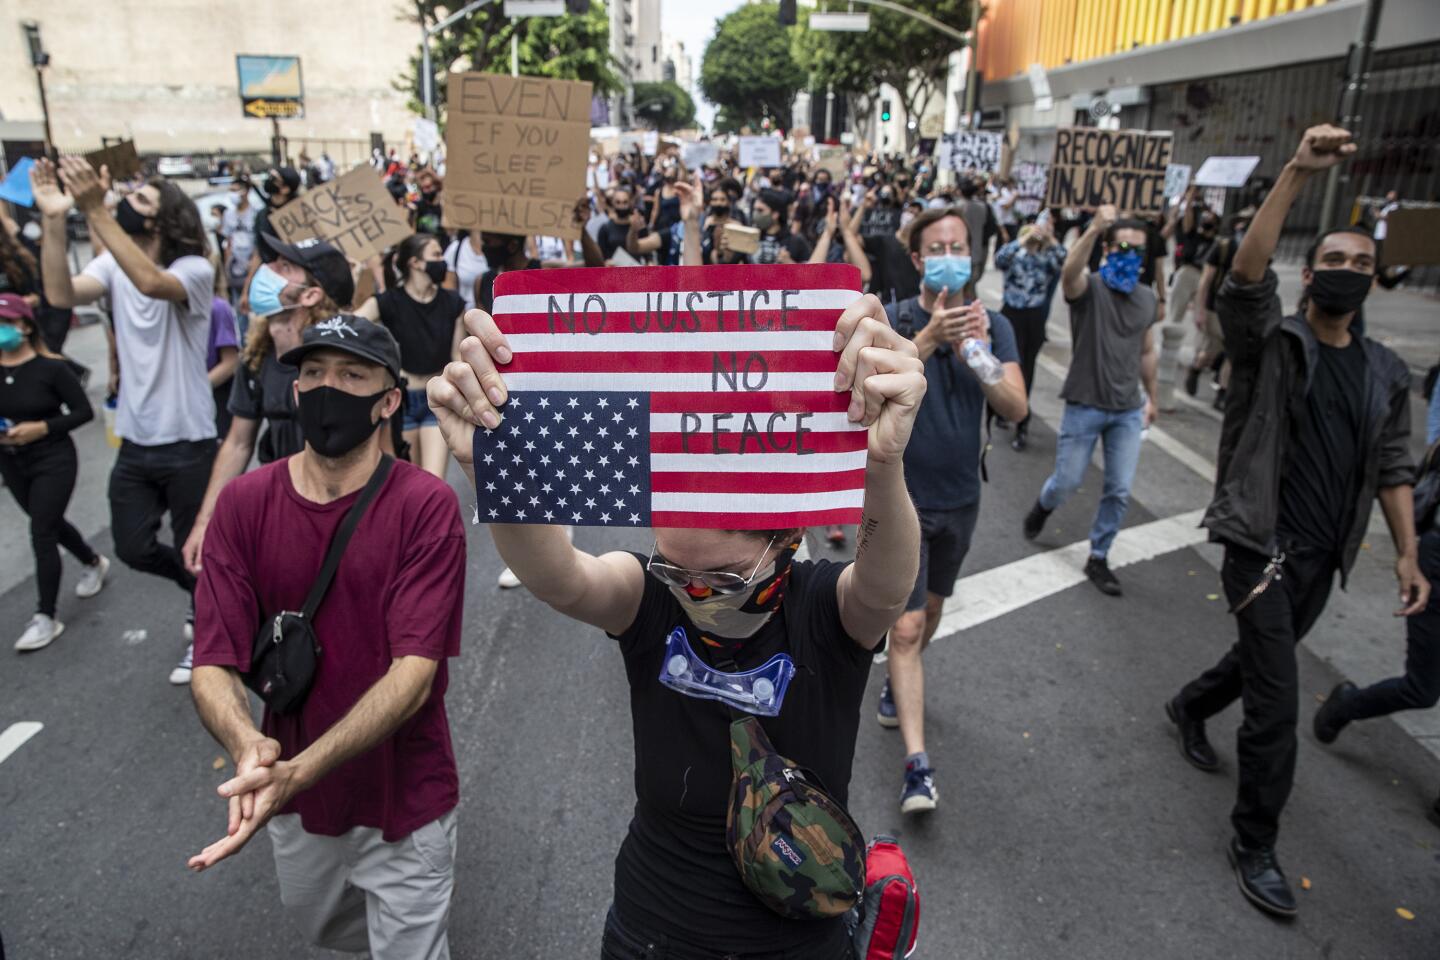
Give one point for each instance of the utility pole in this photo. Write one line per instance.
(1357, 77)
(427, 82)
(39, 59)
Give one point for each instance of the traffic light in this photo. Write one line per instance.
(885, 111)
(787, 13)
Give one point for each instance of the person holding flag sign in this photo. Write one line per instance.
(816, 413)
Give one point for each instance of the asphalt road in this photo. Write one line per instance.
(1068, 826)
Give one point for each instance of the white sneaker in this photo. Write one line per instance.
(508, 580)
(92, 579)
(181, 674)
(39, 633)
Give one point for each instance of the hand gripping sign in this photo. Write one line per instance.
(681, 397)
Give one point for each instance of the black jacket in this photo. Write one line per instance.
(1273, 357)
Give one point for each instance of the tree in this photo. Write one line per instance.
(897, 50)
(664, 106)
(748, 70)
(563, 48)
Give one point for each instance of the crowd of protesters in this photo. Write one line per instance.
(354, 385)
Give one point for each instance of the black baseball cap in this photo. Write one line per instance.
(322, 261)
(351, 334)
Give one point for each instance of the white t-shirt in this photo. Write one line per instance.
(467, 265)
(165, 395)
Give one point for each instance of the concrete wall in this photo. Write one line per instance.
(163, 71)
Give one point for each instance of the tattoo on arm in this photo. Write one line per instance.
(868, 526)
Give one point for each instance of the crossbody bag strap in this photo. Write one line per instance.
(342, 536)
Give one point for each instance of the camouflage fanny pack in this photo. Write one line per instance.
(795, 846)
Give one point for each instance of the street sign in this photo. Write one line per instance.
(271, 87)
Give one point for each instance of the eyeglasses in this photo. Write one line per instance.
(721, 581)
(1123, 247)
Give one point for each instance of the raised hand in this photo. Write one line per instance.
(471, 391)
(82, 183)
(1322, 147)
(46, 186)
(883, 374)
(1105, 216)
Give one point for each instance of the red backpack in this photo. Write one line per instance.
(888, 917)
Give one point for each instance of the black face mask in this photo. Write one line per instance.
(436, 269)
(719, 211)
(132, 221)
(622, 212)
(429, 195)
(334, 422)
(1339, 291)
(495, 254)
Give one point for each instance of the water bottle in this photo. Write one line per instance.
(985, 364)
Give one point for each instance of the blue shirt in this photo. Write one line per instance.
(942, 460)
(1029, 277)
(1432, 422)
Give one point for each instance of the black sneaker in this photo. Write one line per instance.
(1261, 879)
(1192, 381)
(1035, 521)
(1099, 573)
(1219, 403)
(1332, 717)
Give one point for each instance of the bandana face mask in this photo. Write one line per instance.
(736, 610)
(1121, 271)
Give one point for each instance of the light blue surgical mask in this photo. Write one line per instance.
(947, 272)
(10, 337)
(265, 289)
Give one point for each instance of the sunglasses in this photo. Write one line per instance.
(721, 581)
(1124, 247)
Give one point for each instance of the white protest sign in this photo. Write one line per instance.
(1177, 180)
(650, 143)
(426, 135)
(759, 151)
(969, 150)
(1225, 171)
(697, 155)
(1030, 180)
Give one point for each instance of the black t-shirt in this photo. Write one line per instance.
(892, 273)
(262, 227)
(1221, 256)
(613, 236)
(1193, 248)
(424, 331)
(47, 390)
(428, 217)
(673, 874)
(486, 298)
(267, 395)
(1322, 467)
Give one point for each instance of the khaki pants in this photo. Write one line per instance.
(1187, 282)
(356, 892)
(1211, 342)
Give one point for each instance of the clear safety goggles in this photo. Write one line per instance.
(759, 691)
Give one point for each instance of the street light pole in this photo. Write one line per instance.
(39, 59)
(427, 82)
(1357, 77)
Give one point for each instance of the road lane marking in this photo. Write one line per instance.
(1157, 435)
(993, 593)
(15, 736)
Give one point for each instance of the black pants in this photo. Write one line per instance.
(1260, 669)
(623, 943)
(1419, 688)
(144, 484)
(42, 476)
(1029, 338)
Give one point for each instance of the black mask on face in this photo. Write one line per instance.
(622, 212)
(496, 254)
(436, 269)
(429, 195)
(334, 422)
(720, 211)
(132, 221)
(1339, 291)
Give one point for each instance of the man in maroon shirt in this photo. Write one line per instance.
(358, 787)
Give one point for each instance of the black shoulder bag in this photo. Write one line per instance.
(286, 652)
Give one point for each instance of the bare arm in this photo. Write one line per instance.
(1072, 274)
(854, 249)
(61, 289)
(1207, 277)
(637, 245)
(872, 591)
(370, 310)
(225, 368)
(1007, 395)
(224, 708)
(152, 281)
(230, 461)
(1149, 373)
(1398, 505)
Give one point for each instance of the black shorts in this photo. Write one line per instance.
(944, 541)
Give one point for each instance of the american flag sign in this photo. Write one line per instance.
(673, 397)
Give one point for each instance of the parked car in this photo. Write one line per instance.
(175, 167)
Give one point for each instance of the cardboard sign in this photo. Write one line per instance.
(1412, 237)
(969, 151)
(1093, 167)
(1226, 171)
(1030, 180)
(760, 151)
(516, 149)
(354, 212)
(742, 239)
(833, 160)
(1177, 180)
(697, 397)
(120, 157)
(697, 155)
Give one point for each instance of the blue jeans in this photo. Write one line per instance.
(1080, 428)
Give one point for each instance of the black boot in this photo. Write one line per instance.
(1333, 715)
(1261, 879)
(1192, 381)
(1098, 570)
(1194, 745)
(1035, 521)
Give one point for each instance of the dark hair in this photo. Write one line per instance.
(783, 535)
(968, 189)
(1314, 248)
(1129, 223)
(927, 218)
(17, 262)
(397, 261)
(730, 185)
(178, 223)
